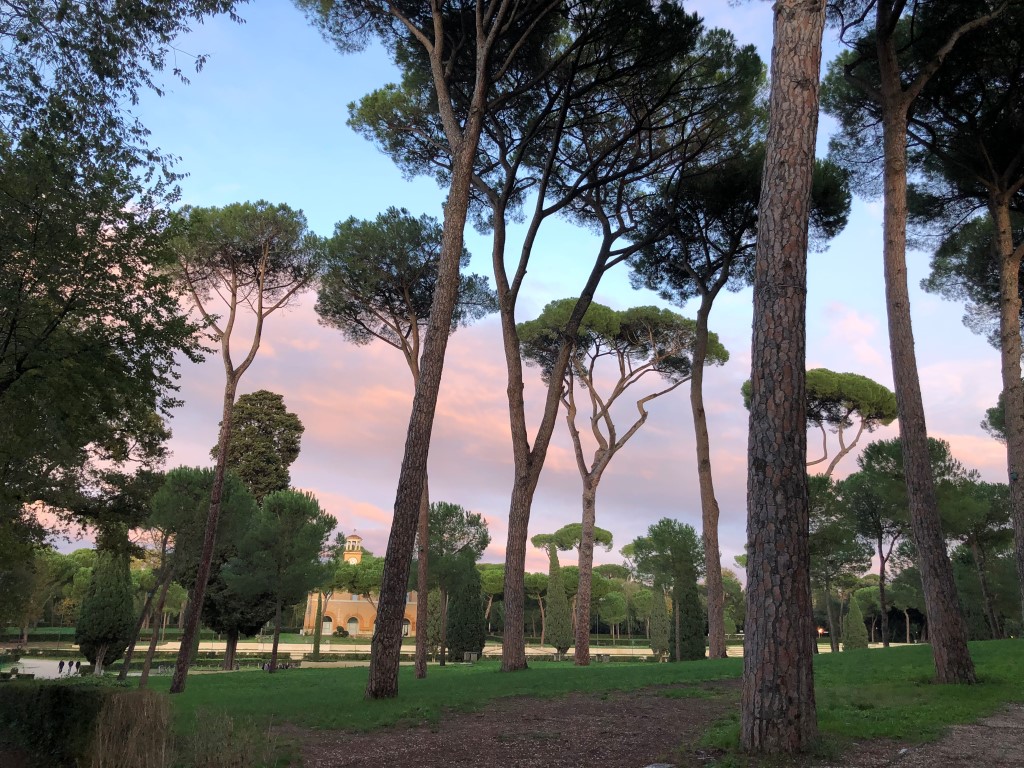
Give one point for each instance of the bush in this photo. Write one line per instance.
(341, 632)
(855, 633)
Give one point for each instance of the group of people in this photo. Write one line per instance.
(74, 667)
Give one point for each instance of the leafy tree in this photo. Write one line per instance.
(492, 583)
(669, 555)
(659, 623)
(264, 443)
(855, 633)
(179, 509)
(434, 622)
(280, 554)
(635, 342)
(378, 284)
(536, 585)
(460, 82)
(254, 255)
(558, 623)
(778, 713)
(467, 629)
(835, 549)
(907, 595)
(897, 47)
(995, 420)
(103, 629)
(362, 578)
(457, 536)
(645, 70)
(711, 222)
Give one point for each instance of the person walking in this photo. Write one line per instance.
(60, 667)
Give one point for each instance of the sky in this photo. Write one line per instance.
(266, 119)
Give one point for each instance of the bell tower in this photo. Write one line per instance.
(353, 549)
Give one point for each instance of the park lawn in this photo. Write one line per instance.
(861, 695)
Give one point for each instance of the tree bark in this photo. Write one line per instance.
(195, 603)
(708, 501)
(135, 633)
(444, 628)
(277, 637)
(1010, 353)
(581, 653)
(881, 594)
(978, 556)
(778, 707)
(950, 654)
(98, 665)
(229, 649)
(151, 651)
(422, 574)
(318, 625)
(833, 634)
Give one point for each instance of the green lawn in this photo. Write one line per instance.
(865, 694)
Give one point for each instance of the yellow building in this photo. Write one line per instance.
(355, 613)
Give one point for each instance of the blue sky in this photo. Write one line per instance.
(266, 119)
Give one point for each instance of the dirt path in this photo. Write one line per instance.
(628, 730)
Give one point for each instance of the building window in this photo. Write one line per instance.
(405, 627)
(353, 626)
(327, 627)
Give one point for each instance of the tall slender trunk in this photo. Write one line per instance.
(883, 606)
(422, 574)
(195, 603)
(778, 712)
(99, 666)
(229, 649)
(708, 501)
(444, 626)
(318, 625)
(1013, 389)
(581, 654)
(386, 646)
(833, 630)
(543, 619)
(277, 636)
(130, 651)
(151, 651)
(986, 592)
(675, 620)
(906, 615)
(950, 654)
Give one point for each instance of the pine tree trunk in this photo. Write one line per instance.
(229, 649)
(778, 712)
(277, 637)
(422, 574)
(444, 627)
(948, 632)
(1013, 389)
(543, 620)
(906, 615)
(130, 651)
(986, 593)
(833, 635)
(881, 596)
(386, 646)
(581, 654)
(708, 502)
(318, 626)
(675, 619)
(151, 651)
(195, 603)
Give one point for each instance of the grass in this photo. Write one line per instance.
(861, 695)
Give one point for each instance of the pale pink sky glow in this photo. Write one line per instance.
(354, 401)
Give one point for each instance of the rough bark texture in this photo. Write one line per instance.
(195, 603)
(948, 631)
(422, 573)
(708, 502)
(229, 650)
(1013, 390)
(778, 707)
(277, 637)
(586, 565)
(387, 635)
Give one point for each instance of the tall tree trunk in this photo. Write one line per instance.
(195, 602)
(229, 649)
(123, 674)
(151, 651)
(98, 666)
(386, 646)
(676, 619)
(581, 654)
(952, 658)
(277, 636)
(543, 619)
(422, 574)
(906, 615)
(444, 627)
(883, 607)
(1013, 389)
(318, 625)
(833, 633)
(708, 502)
(986, 593)
(778, 712)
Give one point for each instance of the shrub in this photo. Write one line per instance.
(341, 632)
(855, 633)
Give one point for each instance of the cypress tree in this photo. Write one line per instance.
(434, 623)
(855, 633)
(467, 629)
(691, 619)
(659, 623)
(107, 619)
(557, 620)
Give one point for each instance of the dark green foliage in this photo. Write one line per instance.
(265, 440)
(54, 721)
(557, 619)
(379, 280)
(434, 622)
(467, 629)
(855, 632)
(106, 620)
(659, 623)
(691, 616)
(995, 420)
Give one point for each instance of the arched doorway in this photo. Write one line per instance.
(353, 626)
(327, 627)
(405, 627)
